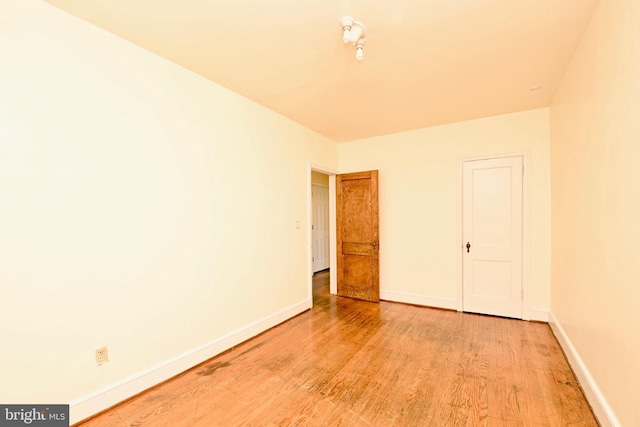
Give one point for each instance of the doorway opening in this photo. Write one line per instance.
(319, 221)
(321, 227)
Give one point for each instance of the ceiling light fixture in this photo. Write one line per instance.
(355, 33)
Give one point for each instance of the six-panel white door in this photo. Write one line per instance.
(492, 236)
(320, 225)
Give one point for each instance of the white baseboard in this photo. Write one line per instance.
(450, 304)
(598, 403)
(106, 397)
(539, 315)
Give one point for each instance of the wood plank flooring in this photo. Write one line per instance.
(355, 363)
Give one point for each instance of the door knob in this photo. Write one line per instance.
(468, 246)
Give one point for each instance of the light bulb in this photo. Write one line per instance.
(359, 54)
(357, 32)
(347, 34)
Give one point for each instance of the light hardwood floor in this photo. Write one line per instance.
(354, 363)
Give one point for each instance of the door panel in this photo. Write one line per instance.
(320, 224)
(358, 235)
(492, 226)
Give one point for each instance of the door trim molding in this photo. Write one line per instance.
(333, 266)
(526, 228)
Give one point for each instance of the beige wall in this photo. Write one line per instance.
(418, 191)
(319, 178)
(595, 147)
(129, 189)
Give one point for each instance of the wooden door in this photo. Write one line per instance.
(320, 227)
(357, 235)
(492, 236)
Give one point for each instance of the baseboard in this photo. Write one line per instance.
(539, 315)
(449, 304)
(106, 397)
(594, 396)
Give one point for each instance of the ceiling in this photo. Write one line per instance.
(426, 62)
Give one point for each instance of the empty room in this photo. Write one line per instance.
(412, 212)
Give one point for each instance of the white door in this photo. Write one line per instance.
(320, 227)
(492, 236)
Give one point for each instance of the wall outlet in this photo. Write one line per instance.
(102, 355)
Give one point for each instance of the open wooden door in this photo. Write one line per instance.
(357, 235)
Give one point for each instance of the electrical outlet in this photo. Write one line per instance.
(102, 355)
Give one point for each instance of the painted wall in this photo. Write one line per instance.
(319, 178)
(595, 123)
(136, 207)
(419, 201)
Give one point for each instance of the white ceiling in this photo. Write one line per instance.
(426, 62)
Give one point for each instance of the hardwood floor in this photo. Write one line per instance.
(356, 363)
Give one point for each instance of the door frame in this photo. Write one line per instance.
(333, 264)
(526, 227)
